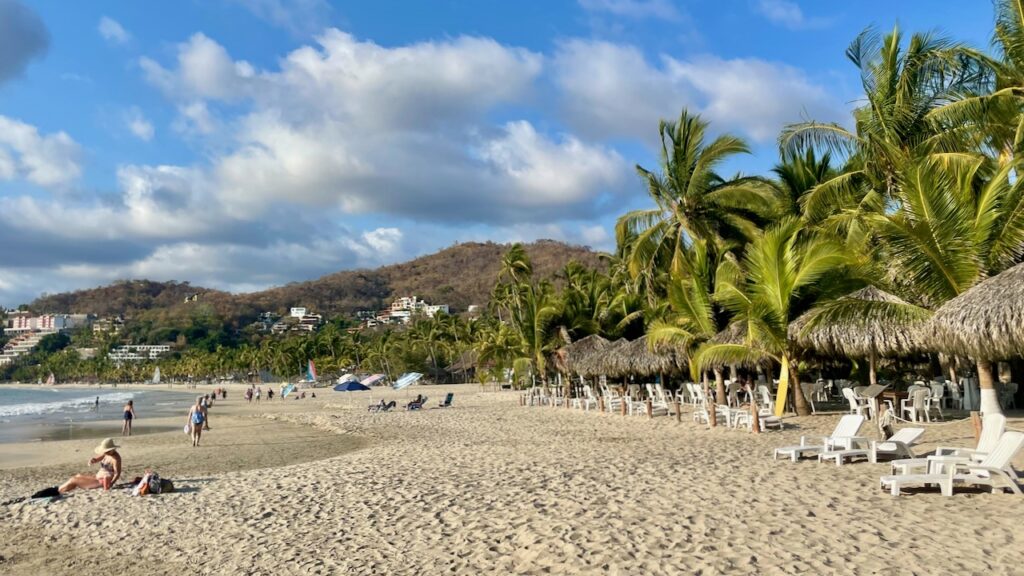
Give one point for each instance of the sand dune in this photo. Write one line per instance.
(491, 487)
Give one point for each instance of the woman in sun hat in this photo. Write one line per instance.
(110, 469)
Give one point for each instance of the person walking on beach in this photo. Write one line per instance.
(270, 393)
(196, 418)
(259, 392)
(110, 470)
(129, 415)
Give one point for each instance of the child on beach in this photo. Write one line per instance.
(259, 392)
(129, 415)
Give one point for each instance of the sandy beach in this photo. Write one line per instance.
(323, 487)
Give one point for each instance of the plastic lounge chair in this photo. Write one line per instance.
(447, 400)
(847, 428)
(414, 405)
(994, 471)
(992, 428)
(896, 445)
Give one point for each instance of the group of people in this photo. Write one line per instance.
(256, 392)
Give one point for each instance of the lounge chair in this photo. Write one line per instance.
(586, 401)
(994, 471)
(414, 405)
(992, 428)
(381, 407)
(896, 445)
(847, 428)
(447, 400)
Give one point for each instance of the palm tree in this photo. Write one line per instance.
(959, 222)
(782, 269)
(692, 201)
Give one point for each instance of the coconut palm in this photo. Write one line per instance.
(782, 269)
(691, 199)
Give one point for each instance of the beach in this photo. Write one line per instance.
(487, 486)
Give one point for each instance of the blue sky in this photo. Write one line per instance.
(240, 144)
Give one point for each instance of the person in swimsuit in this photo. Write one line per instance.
(110, 470)
(129, 415)
(196, 418)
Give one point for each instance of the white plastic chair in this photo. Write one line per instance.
(858, 405)
(994, 471)
(897, 445)
(992, 428)
(914, 405)
(846, 428)
(586, 401)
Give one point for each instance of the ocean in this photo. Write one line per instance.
(53, 413)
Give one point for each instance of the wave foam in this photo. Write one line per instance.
(72, 405)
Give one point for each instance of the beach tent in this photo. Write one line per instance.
(371, 380)
(406, 380)
(350, 386)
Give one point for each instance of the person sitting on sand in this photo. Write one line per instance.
(110, 470)
(129, 415)
(416, 403)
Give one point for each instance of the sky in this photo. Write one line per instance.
(241, 144)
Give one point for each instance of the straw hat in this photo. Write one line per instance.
(106, 446)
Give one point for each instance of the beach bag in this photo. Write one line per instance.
(166, 486)
(188, 428)
(51, 492)
(155, 485)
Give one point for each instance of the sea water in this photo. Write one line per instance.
(47, 412)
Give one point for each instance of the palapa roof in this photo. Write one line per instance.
(636, 357)
(571, 357)
(884, 323)
(985, 322)
(599, 361)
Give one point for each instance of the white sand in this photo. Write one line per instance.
(490, 487)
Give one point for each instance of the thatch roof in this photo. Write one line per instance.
(468, 360)
(600, 361)
(570, 358)
(876, 321)
(986, 322)
(735, 333)
(637, 358)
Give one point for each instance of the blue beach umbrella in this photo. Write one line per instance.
(350, 387)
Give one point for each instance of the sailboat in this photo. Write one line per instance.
(156, 375)
(311, 372)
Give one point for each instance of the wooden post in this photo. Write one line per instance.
(600, 404)
(755, 418)
(679, 413)
(522, 399)
(976, 421)
(622, 404)
(650, 409)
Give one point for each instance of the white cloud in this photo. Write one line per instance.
(195, 118)
(138, 125)
(611, 90)
(663, 9)
(47, 160)
(789, 14)
(112, 31)
(297, 16)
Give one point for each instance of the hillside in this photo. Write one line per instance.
(460, 275)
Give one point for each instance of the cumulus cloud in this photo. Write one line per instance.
(112, 31)
(50, 160)
(23, 38)
(789, 14)
(663, 9)
(612, 90)
(138, 125)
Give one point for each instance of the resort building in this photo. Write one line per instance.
(108, 325)
(403, 310)
(138, 352)
(299, 320)
(24, 322)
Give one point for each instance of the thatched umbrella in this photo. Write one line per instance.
(603, 361)
(867, 323)
(985, 323)
(574, 355)
(636, 357)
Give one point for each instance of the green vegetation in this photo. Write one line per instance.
(918, 195)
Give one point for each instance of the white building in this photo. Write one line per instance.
(138, 352)
(23, 322)
(403, 309)
(298, 312)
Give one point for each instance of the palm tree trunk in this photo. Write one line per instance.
(719, 385)
(987, 387)
(872, 362)
(800, 405)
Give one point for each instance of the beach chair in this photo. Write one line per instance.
(995, 471)
(992, 428)
(847, 428)
(612, 401)
(897, 445)
(858, 405)
(447, 400)
(414, 405)
(914, 406)
(586, 401)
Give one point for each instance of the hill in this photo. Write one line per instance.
(460, 275)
